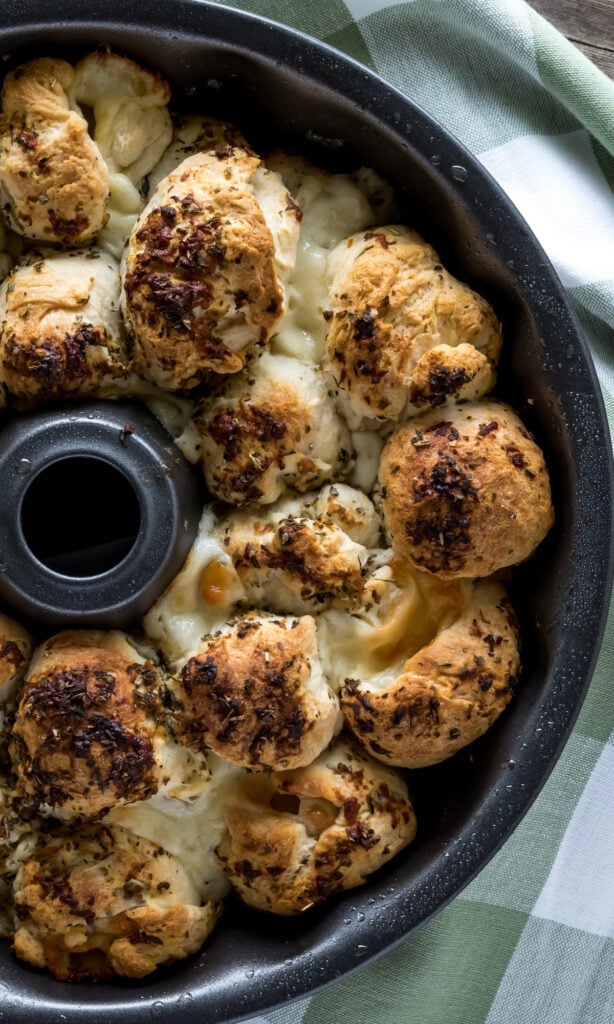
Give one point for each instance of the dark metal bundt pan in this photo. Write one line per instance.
(281, 87)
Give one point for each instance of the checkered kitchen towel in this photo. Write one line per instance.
(531, 940)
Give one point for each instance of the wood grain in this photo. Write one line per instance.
(587, 23)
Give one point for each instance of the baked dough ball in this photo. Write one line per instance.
(294, 838)
(447, 694)
(256, 694)
(15, 651)
(54, 182)
(85, 726)
(204, 267)
(272, 427)
(60, 331)
(101, 902)
(402, 329)
(466, 491)
(351, 510)
(132, 125)
(296, 558)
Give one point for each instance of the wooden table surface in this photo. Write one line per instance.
(587, 23)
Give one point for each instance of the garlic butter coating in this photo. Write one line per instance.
(466, 490)
(54, 183)
(272, 428)
(204, 266)
(255, 693)
(86, 724)
(448, 693)
(60, 329)
(294, 838)
(402, 331)
(100, 902)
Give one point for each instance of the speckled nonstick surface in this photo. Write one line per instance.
(282, 87)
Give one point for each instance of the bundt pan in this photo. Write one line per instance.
(281, 87)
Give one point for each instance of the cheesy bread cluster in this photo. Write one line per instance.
(341, 618)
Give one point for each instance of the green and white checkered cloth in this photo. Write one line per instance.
(531, 940)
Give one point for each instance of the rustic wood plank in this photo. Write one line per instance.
(589, 24)
(600, 56)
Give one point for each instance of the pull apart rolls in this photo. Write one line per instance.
(15, 651)
(465, 491)
(294, 838)
(448, 693)
(272, 428)
(54, 183)
(300, 556)
(255, 693)
(60, 329)
(102, 902)
(85, 728)
(204, 267)
(402, 331)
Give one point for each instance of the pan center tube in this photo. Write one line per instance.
(98, 511)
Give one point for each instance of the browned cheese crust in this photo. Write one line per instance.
(83, 735)
(60, 333)
(103, 902)
(466, 492)
(448, 694)
(297, 837)
(256, 694)
(54, 183)
(402, 329)
(200, 263)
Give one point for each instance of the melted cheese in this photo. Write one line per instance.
(183, 615)
(125, 205)
(333, 207)
(188, 822)
(406, 610)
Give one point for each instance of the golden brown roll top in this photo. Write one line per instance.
(255, 693)
(54, 183)
(465, 491)
(204, 267)
(295, 557)
(60, 329)
(85, 725)
(294, 838)
(271, 428)
(402, 330)
(102, 902)
(448, 693)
